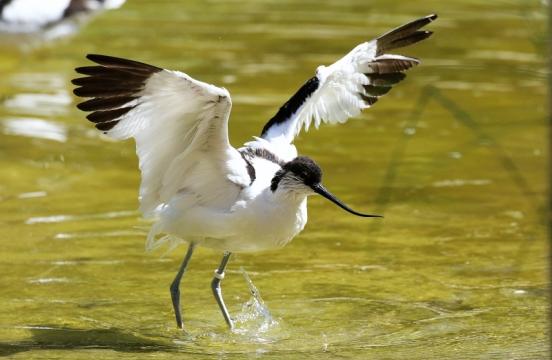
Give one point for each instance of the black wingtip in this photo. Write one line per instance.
(114, 84)
(99, 57)
(426, 19)
(405, 34)
(118, 62)
(77, 91)
(428, 33)
(82, 107)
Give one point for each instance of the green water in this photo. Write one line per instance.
(455, 158)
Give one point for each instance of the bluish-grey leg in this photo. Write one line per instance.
(215, 285)
(175, 286)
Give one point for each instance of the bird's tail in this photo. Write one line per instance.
(154, 242)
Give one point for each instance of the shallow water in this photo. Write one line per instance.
(454, 157)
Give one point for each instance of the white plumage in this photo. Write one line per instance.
(184, 146)
(34, 13)
(27, 16)
(340, 92)
(201, 190)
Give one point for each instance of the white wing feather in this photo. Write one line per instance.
(181, 130)
(345, 88)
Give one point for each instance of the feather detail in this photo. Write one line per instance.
(175, 120)
(353, 83)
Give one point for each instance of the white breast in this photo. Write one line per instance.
(261, 219)
(263, 223)
(258, 220)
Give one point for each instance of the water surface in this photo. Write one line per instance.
(454, 158)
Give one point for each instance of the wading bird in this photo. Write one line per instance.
(198, 188)
(39, 16)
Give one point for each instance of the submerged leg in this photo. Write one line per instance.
(175, 286)
(215, 285)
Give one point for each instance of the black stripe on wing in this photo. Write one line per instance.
(404, 35)
(116, 82)
(293, 104)
(252, 153)
(249, 154)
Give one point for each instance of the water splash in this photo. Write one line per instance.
(254, 317)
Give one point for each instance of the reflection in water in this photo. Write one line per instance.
(63, 218)
(36, 128)
(461, 182)
(456, 271)
(39, 81)
(48, 280)
(32, 194)
(102, 234)
(462, 85)
(40, 104)
(41, 96)
(30, 22)
(54, 337)
(504, 55)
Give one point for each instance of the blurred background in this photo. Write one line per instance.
(455, 158)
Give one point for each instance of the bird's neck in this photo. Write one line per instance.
(288, 195)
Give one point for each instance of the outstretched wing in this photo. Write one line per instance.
(180, 126)
(353, 83)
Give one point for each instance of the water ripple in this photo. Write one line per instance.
(40, 104)
(461, 182)
(32, 194)
(64, 218)
(49, 280)
(35, 128)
